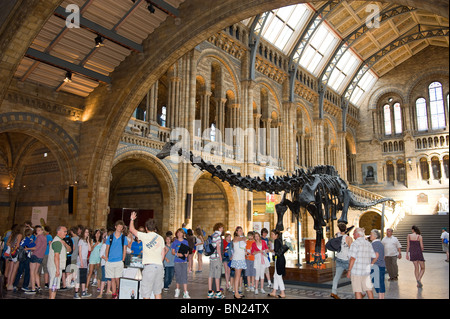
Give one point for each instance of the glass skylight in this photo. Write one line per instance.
(365, 84)
(318, 49)
(345, 67)
(284, 24)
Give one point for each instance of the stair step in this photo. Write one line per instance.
(430, 228)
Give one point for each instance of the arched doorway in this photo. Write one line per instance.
(139, 184)
(369, 221)
(32, 177)
(210, 204)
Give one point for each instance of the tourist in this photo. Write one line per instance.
(362, 256)
(287, 239)
(84, 247)
(414, 249)
(152, 258)
(238, 262)
(342, 258)
(264, 233)
(116, 249)
(261, 262)
(226, 244)
(136, 246)
(379, 267)
(444, 238)
(168, 263)
(280, 265)
(104, 280)
(250, 260)
(57, 260)
(26, 244)
(392, 252)
(37, 256)
(94, 258)
(215, 263)
(43, 267)
(199, 247)
(180, 263)
(191, 243)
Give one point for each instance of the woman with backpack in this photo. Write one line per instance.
(342, 258)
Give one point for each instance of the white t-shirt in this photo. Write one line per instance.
(152, 248)
(444, 235)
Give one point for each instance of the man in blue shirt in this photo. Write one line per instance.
(116, 249)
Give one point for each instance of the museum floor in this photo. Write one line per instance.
(435, 285)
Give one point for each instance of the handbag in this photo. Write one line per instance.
(283, 249)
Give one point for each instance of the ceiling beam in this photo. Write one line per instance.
(64, 65)
(101, 31)
(165, 7)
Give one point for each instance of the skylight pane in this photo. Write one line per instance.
(284, 37)
(299, 13)
(273, 30)
(284, 13)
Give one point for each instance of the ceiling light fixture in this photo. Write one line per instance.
(151, 8)
(68, 78)
(99, 42)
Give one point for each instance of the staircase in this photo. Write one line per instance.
(430, 228)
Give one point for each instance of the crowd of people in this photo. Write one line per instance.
(367, 260)
(80, 258)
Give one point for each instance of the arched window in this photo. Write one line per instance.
(387, 120)
(437, 111)
(390, 172)
(398, 118)
(163, 117)
(436, 167)
(421, 112)
(213, 133)
(445, 161)
(424, 171)
(401, 171)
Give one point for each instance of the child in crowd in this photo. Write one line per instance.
(84, 247)
(180, 263)
(168, 263)
(250, 260)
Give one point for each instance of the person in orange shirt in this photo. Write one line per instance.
(250, 272)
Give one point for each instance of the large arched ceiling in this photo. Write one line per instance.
(125, 24)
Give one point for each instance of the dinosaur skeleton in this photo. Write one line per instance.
(319, 190)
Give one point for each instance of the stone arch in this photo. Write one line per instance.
(230, 200)
(164, 177)
(50, 134)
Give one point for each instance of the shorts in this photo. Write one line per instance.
(361, 283)
(114, 269)
(445, 248)
(52, 276)
(83, 275)
(181, 274)
(152, 280)
(251, 272)
(36, 260)
(200, 252)
(215, 268)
